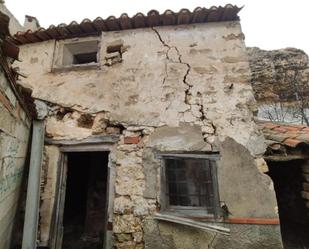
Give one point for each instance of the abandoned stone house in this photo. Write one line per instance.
(143, 136)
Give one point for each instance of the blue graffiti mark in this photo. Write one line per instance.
(10, 182)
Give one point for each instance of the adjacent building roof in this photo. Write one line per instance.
(153, 18)
(289, 135)
(6, 46)
(8, 49)
(4, 24)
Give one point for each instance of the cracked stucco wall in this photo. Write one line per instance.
(183, 88)
(167, 77)
(14, 137)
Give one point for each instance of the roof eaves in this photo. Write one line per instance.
(289, 135)
(153, 18)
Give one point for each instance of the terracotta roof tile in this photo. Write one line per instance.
(9, 49)
(275, 137)
(269, 125)
(285, 134)
(298, 126)
(292, 142)
(280, 129)
(303, 137)
(275, 146)
(292, 128)
(293, 133)
(153, 18)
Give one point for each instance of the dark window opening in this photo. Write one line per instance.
(293, 213)
(85, 58)
(191, 184)
(80, 53)
(85, 200)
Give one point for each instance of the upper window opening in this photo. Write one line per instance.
(80, 53)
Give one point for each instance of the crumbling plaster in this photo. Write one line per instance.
(183, 88)
(245, 190)
(167, 76)
(234, 172)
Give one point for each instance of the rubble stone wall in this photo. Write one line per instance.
(184, 88)
(14, 138)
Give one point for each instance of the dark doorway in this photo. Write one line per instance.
(85, 200)
(293, 214)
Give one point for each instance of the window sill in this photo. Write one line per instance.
(207, 226)
(189, 212)
(76, 67)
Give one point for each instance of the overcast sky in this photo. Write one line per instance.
(268, 24)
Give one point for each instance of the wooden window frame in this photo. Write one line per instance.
(198, 212)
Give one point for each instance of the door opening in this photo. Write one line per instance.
(293, 213)
(85, 208)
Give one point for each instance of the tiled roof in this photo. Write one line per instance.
(285, 134)
(153, 18)
(8, 49)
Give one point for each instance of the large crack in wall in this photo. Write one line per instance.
(188, 93)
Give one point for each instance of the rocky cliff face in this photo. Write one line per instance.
(276, 74)
(280, 80)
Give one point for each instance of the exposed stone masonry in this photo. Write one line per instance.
(130, 207)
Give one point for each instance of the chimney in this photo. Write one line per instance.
(31, 23)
